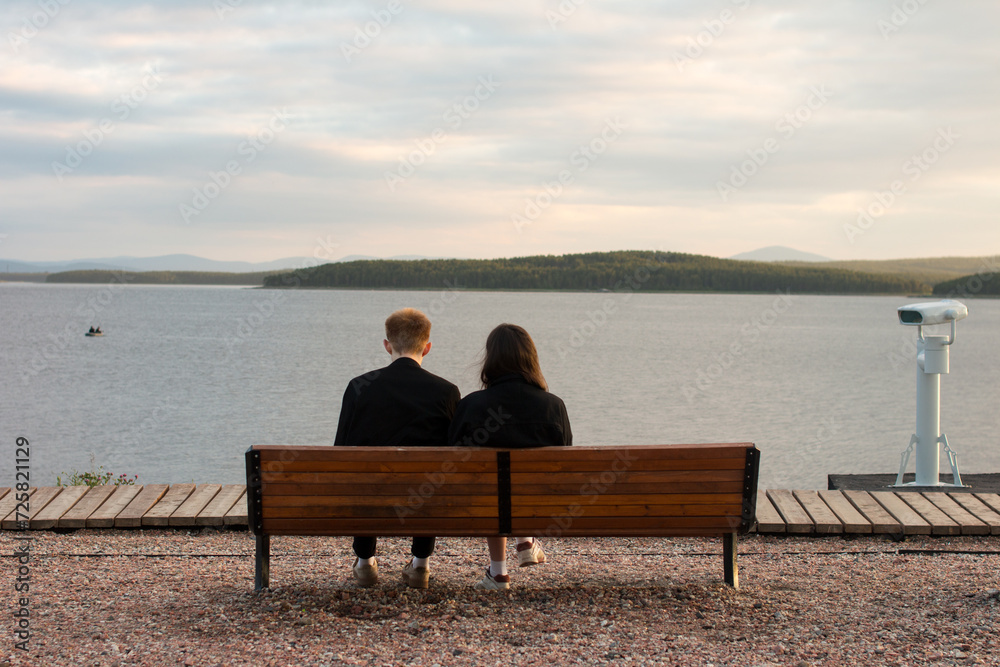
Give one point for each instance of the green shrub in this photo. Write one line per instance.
(99, 477)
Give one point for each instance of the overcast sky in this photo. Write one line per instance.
(244, 130)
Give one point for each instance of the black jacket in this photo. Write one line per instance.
(399, 405)
(510, 413)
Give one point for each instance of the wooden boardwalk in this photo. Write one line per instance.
(778, 511)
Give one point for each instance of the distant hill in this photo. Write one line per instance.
(160, 263)
(779, 253)
(928, 270)
(159, 277)
(178, 262)
(609, 271)
(23, 277)
(977, 284)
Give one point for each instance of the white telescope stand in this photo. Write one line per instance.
(932, 362)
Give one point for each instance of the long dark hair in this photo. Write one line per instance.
(509, 349)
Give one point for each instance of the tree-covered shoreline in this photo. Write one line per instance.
(610, 271)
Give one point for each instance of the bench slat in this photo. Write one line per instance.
(632, 452)
(644, 477)
(381, 514)
(431, 500)
(570, 488)
(590, 526)
(616, 466)
(667, 512)
(372, 490)
(401, 478)
(733, 501)
(409, 526)
(285, 453)
(388, 467)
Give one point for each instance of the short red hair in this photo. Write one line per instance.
(408, 330)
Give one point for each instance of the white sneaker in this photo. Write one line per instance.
(366, 575)
(529, 553)
(500, 582)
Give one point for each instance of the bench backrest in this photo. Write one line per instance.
(645, 490)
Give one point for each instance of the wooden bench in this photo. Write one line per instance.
(642, 491)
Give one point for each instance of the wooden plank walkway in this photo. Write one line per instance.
(779, 511)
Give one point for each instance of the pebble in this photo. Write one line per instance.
(834, 601)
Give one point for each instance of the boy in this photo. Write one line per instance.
(399, 405)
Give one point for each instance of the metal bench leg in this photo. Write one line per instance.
(729, 560)
(262, 564)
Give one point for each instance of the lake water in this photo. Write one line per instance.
(186, 378)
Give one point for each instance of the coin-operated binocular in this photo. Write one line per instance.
(932, 362)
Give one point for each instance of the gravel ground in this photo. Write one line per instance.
(176, 598)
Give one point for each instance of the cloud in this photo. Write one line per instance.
(701, 88)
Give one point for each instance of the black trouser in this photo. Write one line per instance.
(422, 547)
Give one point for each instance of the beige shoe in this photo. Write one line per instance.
(416, 577)
(529, 554)
(365, 575)
(501, 582)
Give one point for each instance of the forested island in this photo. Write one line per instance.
(648, 270)
(613, 271)
(978, 284)
(159, 277)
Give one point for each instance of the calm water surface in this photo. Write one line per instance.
(186, 378)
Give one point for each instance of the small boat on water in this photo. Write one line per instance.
(94, 332)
